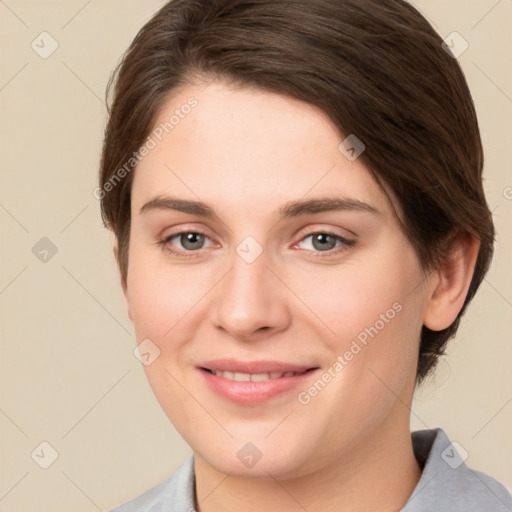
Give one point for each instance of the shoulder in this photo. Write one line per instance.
(447, 483)
(175, 493)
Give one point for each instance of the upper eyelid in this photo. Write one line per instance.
(181, 231)
(190, 227)
(331, 231)
(305, 231)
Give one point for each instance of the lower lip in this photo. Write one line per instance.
(254, 393)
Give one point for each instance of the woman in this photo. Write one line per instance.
(295, 189)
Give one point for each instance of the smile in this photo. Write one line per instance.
(253, 383)
(253, 377)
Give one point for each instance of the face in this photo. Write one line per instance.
(274, 283)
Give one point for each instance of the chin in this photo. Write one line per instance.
(260, 459)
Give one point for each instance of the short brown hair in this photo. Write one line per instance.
(376, 67)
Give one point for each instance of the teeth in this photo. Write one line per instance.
(259, 376)
(254, 377)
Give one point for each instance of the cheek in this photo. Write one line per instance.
(358, 295)
(163, 300)
(373, 312)
(160, 296)
(373, 357)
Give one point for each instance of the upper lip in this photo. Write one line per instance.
(233, 365)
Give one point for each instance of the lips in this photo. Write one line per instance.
(252, 382)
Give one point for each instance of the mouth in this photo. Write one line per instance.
(252, 377)
(253, 383)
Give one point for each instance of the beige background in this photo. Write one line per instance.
(67, 372)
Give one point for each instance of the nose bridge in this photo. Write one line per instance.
(248, 299)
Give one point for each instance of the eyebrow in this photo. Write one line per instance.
(287, 210)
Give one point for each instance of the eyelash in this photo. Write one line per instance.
(164, 243)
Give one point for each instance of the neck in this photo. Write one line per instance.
(378, 474)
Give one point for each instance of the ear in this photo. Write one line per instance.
(124, 286)
(451, 282)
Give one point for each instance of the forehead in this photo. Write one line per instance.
(248, 148)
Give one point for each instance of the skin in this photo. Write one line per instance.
(246, 153)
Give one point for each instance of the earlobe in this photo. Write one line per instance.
(452, 283)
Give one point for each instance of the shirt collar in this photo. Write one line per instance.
(447, 484)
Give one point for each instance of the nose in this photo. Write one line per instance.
(250, 301)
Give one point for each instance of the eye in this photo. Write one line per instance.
(187, 241)
(190, 241)
(326, 242)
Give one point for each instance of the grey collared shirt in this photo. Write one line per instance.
(446, 484)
